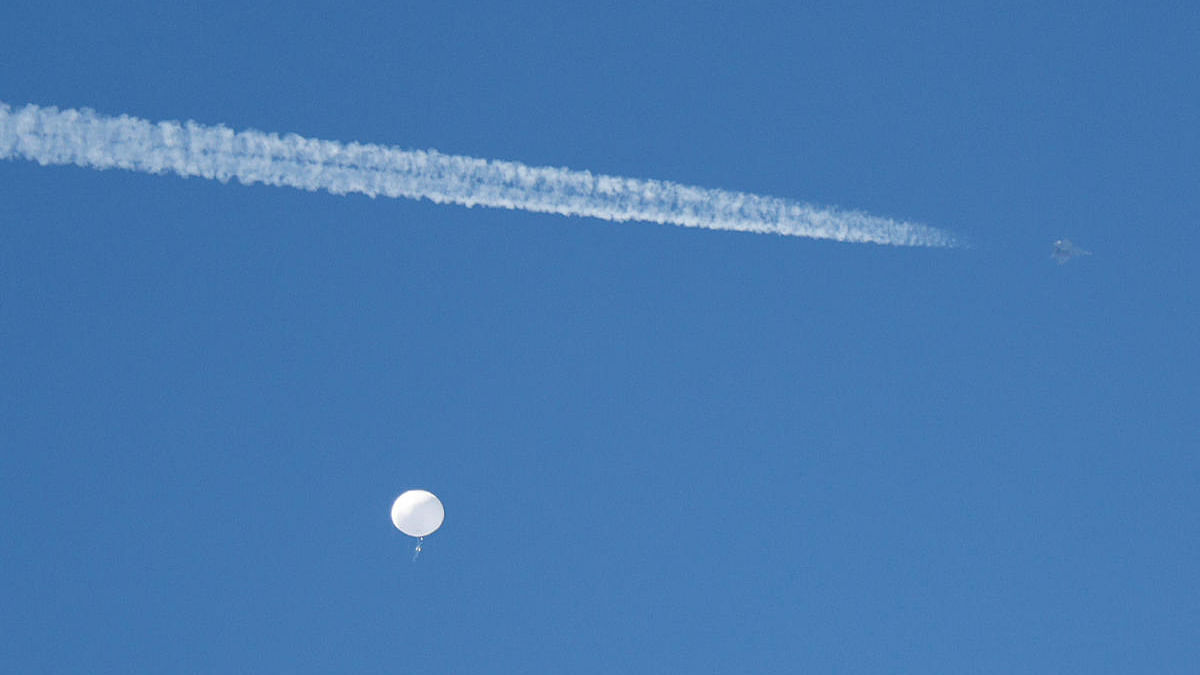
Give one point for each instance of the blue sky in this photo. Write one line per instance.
(659, 449)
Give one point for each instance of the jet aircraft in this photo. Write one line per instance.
(1064, 250)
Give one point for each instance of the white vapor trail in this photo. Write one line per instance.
(48, 135)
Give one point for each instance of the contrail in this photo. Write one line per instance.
(85, 138)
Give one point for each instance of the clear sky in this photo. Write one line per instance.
(660, 449)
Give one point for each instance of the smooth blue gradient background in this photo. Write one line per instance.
(660, 450)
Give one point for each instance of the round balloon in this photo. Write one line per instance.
(417, 513)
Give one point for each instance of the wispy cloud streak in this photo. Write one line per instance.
(48, 135)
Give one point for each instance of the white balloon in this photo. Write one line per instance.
(417, 513)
